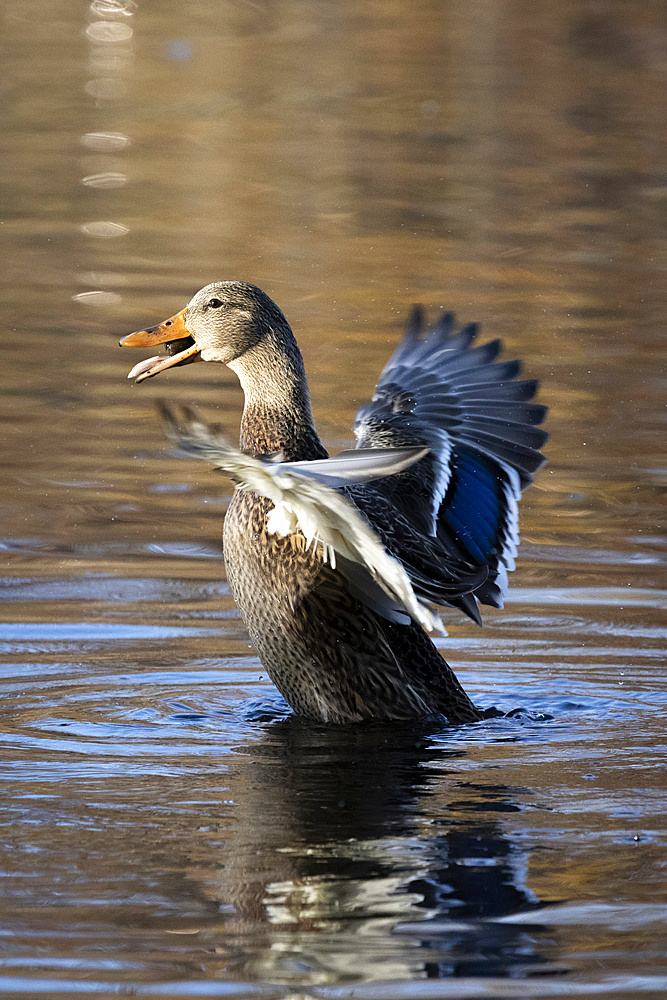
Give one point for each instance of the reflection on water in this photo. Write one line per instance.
(165, 825)
(348, 857)
(110, 54)
(168, 828)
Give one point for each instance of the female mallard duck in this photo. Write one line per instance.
(340, 642)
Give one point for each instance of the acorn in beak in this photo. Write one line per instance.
(179, 345)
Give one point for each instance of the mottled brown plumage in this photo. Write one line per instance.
(328, 655)
(450, 519)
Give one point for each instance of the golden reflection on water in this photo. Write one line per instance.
(506, 162)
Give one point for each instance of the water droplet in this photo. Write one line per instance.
(108, 180)
(98, 298)
(105, 141)
(109, 32)
(113, 8)
(104, 230)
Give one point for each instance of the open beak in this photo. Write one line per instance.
(173, 333)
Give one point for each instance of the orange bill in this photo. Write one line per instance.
(181, 348)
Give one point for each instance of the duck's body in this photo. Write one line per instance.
(331, 640)
(329, 655)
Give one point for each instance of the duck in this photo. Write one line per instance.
(336, 563)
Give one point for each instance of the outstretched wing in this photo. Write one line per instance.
(304, 502)
(477, 419)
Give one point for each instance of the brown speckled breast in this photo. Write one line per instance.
(330, 657)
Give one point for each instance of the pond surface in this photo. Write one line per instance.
(168, 827)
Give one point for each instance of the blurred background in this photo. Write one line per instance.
(504, 160)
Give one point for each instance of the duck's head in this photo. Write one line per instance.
(221, 323)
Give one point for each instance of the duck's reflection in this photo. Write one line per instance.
(355, 846)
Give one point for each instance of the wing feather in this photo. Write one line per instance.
(482, 429)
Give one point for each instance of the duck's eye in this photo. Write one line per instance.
(214, 303)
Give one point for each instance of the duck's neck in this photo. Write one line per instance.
(277, 415)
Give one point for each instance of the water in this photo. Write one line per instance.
(168, 828)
